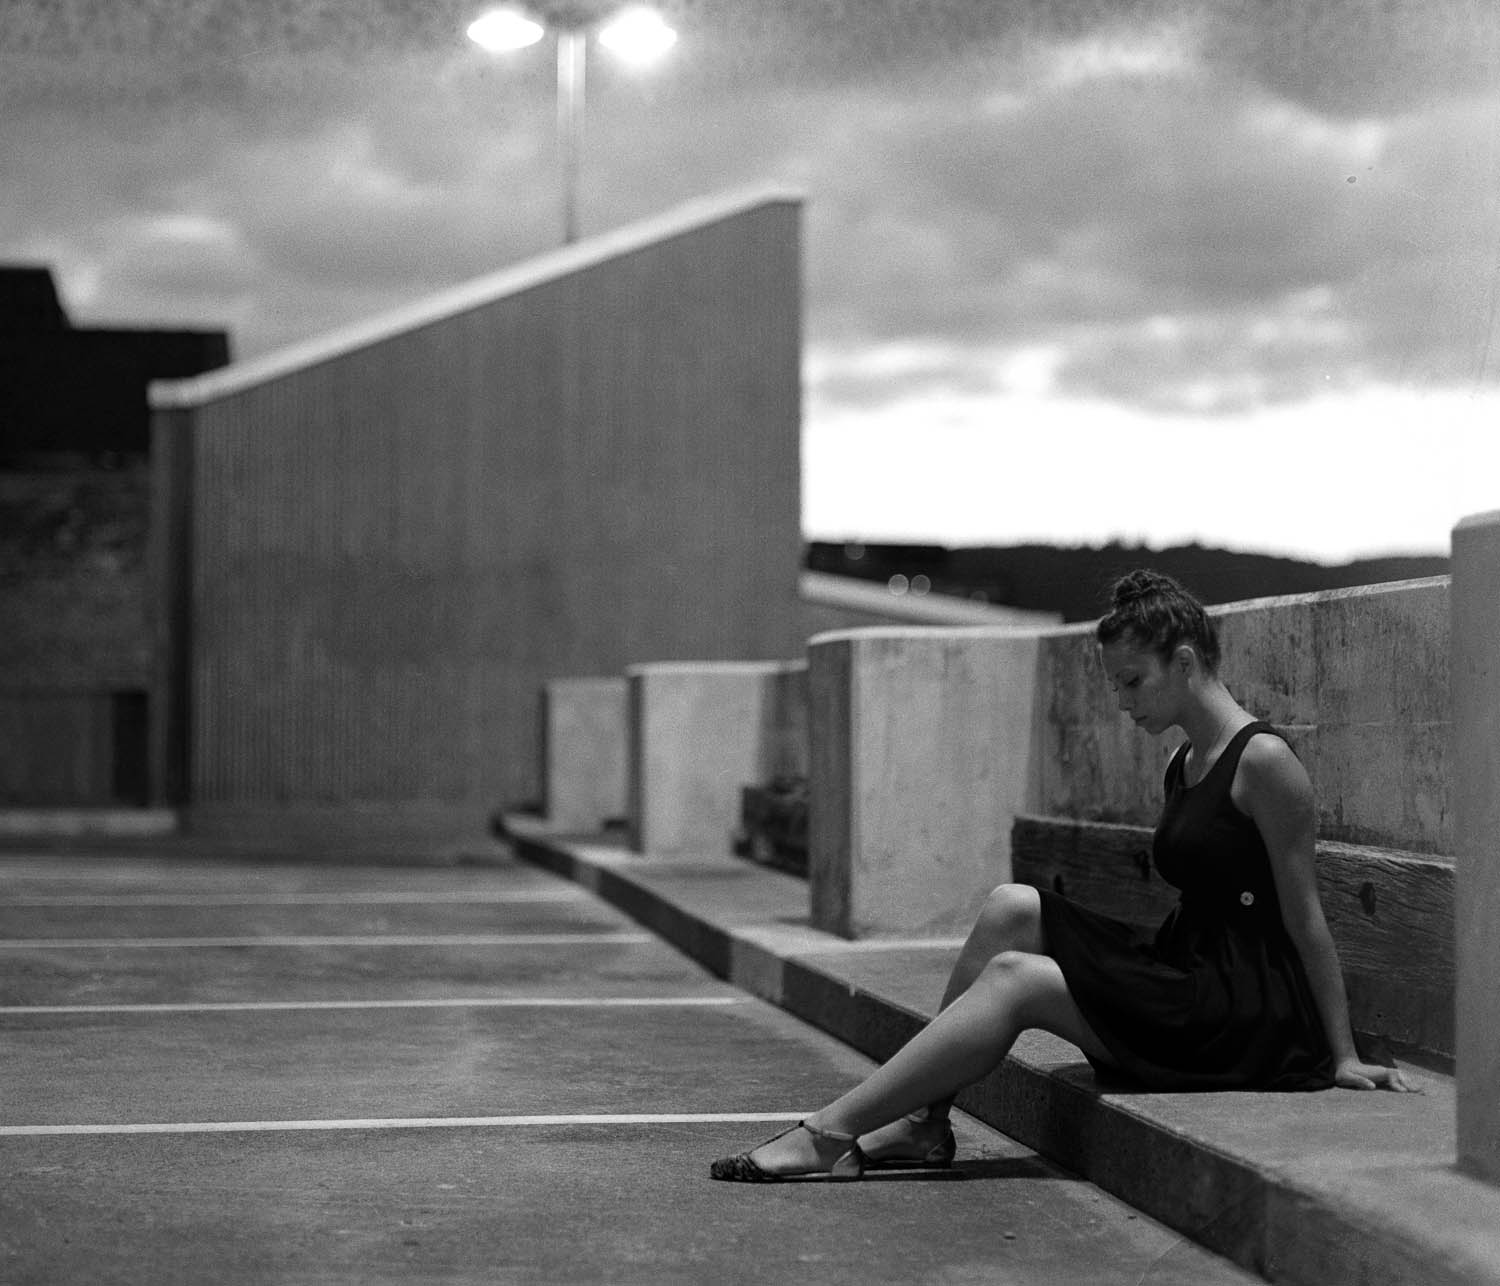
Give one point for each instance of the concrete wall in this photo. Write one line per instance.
(925, 743)
(585, 735)
(1476, 742)
(1357, 678)
(398, 535)
(922, 754)
(700, 733)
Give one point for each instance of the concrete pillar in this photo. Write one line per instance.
(1476, 817)
(922, 755)
(699, 733)
(584, 737)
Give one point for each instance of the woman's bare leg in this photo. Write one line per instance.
(1009, 920)
(966, 1041)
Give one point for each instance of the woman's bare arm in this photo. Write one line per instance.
(1273, 789)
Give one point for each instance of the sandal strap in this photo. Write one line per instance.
(816, 1132)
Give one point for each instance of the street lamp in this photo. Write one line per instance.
(636, 35)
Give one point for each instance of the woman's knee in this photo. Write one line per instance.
(1032, 992)
(1012, 915)
(1013, 974)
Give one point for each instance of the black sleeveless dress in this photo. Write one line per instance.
(1218, 997)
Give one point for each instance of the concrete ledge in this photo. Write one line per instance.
(1301, 1188)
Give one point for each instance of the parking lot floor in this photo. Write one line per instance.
(246, 1071)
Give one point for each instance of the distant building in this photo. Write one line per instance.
(76, 648)
(73, 396)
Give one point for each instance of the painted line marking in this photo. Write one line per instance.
(476, 1002)
(398, 898)
(338, 940)
(402, 1123)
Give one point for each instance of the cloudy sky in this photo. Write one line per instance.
(1144, 269)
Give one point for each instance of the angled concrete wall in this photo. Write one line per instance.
(390, 540)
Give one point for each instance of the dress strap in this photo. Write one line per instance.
(1223, 768)
(1175, 768)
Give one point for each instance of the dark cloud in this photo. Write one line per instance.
(1303, 200)
(1342, 55)
(1359, 57)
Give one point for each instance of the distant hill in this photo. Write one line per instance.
(1076, 581)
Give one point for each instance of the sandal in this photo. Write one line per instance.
(741, 1169)
(913, 1154)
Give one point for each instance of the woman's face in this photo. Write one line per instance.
(1149, 690)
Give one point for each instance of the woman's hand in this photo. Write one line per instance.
(1351, 1074)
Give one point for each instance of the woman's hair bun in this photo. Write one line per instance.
(1153, 610)
(1136, 585)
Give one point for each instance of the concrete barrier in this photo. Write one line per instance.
(1357, 678)
(699, 733)
(584, 740)
(926, 743)
(1476, 806)
(922, 748)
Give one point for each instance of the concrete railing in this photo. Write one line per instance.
(923, 747)
(1358, 679)
(922, 756)
(698, 734)
(585, 736)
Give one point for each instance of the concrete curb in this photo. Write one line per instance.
(1308, 1189)
(87, 823)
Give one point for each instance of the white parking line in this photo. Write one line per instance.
(401, 1123)
(407, 897)
(336, 940)
(477, 1002)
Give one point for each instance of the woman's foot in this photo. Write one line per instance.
(911, 1141)
(803, 1152)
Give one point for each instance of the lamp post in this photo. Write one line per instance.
(635, 34)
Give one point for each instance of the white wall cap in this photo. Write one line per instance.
(1042, 629)
(932, 633)
(526, 275)
(713, 669)
(1377, 590)
(852, 594)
